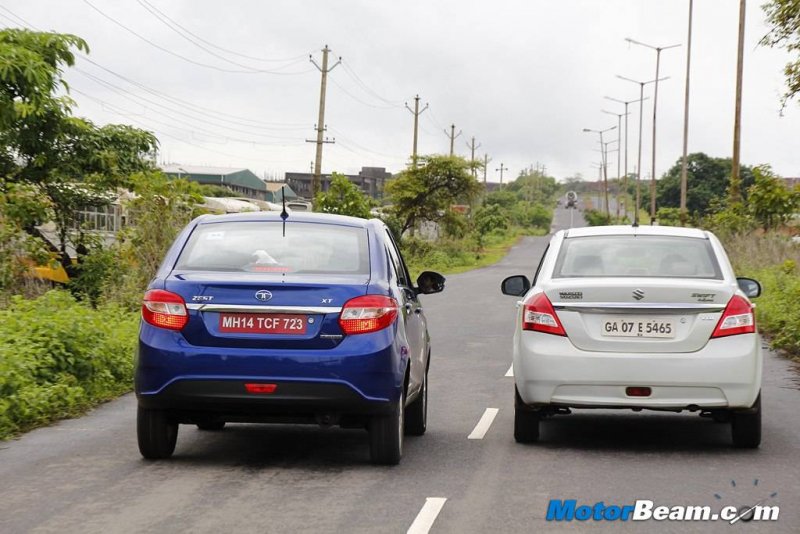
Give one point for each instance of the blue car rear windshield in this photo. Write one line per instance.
(646, 256)
(260, 246)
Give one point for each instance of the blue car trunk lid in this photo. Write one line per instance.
(264, 310)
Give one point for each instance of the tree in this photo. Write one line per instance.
(343, 198)
(71, 162)
(426, 192)
(783, 16)
(707, 178)
(770, 202)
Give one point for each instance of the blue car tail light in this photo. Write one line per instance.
(164, 309)
(367, 313)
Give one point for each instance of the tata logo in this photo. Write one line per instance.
(638, 294)
(263, 295)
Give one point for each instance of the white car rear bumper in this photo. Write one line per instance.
(726, 373)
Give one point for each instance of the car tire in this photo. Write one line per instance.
(211, 426)
(156, 433)
(746, 427)
(386, 435)
(526, 421)
(417, 412)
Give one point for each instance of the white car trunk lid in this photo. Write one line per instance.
(639, 314)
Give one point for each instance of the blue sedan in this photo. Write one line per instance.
(306, 318)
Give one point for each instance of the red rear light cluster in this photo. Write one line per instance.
(164, 309)
(737, 318)
(538, 315)
(368, 313)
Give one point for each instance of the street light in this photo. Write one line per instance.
(625, 176)
(658, 50)
(605, 169)
(619, 145)
(639, 160)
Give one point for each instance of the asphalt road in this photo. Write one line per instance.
(85, 475)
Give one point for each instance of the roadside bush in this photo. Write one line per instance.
(773, 260)
(59, 357)
(596, 218)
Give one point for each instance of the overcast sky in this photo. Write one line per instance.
(524, 77)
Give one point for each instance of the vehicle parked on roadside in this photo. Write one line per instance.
(267, 317)
(640, 318)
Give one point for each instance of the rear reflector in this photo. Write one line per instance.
(638, 391)
(737, 318)
(368, 313)
(261, 389)
(538, 315)
(164, 309)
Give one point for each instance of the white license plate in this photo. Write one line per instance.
(638, 327)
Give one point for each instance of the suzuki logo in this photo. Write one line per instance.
(263, 295)
(638, 294)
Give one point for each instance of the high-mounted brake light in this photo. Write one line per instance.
(737, 318)
(538, 315)
(368, 313)
(164, 309)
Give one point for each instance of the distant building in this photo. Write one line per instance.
(274, 190)
(492, 186)
(792, 182)
(370, 180)
(239, 180)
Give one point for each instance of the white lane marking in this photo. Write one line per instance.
(425, 518)
(483, 425)
(510, 371)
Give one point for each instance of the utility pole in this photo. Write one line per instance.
(472, 147)
(737, 121)
(320, 126)
(605, 165)
(452, 135)
(416, 112)
(501, 169)
(684, 161)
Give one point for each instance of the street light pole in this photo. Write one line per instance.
(625, 176)
(605, 169)
(639, 159)
(658, 50)
(684, 161)
(619, 145)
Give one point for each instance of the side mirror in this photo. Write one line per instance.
(430, 282)
(516, 286)
(749, 287)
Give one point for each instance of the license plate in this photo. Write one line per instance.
(638, 327)
(261, 323)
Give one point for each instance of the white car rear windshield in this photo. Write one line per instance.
(262, 247)
(646, 256)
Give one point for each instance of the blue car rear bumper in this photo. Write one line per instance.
(362, 374)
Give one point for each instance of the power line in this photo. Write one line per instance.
(147, 5)
(354, 97)
(180, 56)
(190, 105)
(131, 96)
(352, 73)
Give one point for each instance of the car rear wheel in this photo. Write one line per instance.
(417, 412)
(746, 427)
(386, 435)
(156, 433)
(526, 421)
(211, 426)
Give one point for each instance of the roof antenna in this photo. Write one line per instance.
(284, 213)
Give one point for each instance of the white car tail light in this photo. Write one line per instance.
(164, 309)
(538, 315)
(368, 313)
(737, 318)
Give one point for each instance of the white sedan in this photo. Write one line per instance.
(639, 318)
